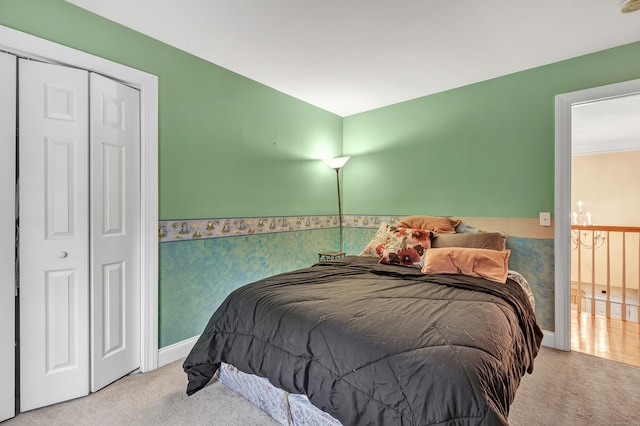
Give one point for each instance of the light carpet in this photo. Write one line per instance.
(564, 389)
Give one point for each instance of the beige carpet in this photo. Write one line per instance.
(565, 389)
(154, 398)
(571, 388)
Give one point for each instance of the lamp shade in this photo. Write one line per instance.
(337, 163)
(630, 6)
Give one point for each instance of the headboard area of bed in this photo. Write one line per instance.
(530, 247)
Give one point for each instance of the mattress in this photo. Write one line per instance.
(285, 408)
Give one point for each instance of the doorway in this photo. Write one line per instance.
(563, 207)
(605, 266)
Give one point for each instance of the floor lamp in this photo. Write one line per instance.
(336, 164)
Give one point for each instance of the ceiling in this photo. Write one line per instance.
(606, 126)
(351, 56)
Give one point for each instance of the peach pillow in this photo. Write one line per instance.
(484, 263)
(442, 225)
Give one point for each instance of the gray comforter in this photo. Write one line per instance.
(377, 344)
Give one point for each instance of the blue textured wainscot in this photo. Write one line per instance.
(197, 275)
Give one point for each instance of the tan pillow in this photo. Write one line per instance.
(483, 240)
(484, 263)
(442, 225)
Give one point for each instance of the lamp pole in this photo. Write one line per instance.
(339, 207)
(336, 164)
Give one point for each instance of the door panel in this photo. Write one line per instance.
(60, 320)
(113, 187)
(54, 233)
(7, 234)
(113, 304)
(58, 191)
(115, 230)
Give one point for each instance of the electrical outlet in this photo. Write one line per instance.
(545, 219)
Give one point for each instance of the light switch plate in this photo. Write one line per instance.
(545, 219)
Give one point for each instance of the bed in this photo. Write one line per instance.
(380, 343)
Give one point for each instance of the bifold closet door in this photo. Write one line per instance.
(79, 162)
(115, 227)
(7, 234)
(54, 233)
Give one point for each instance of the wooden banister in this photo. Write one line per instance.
(590, 237)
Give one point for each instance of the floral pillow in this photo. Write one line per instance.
(375, 247)
(406, 247)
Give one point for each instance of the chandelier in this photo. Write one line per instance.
(581, 237)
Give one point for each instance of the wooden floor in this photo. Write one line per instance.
(606, 338)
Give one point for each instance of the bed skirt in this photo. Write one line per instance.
(286, 408)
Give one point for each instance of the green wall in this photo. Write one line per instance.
(484, 150)
(228, 146)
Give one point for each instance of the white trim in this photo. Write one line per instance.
(177, 351)
(601, 148)
(548, 339)
(26, 45)
(562, 214)
(564, 103)
(7, 236)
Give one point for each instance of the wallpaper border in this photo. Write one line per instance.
(196, 229)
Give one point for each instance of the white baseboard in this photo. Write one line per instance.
(177, 351)
(549, 339)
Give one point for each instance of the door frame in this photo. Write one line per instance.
(8, 95)
(562, 248)
(26, 45)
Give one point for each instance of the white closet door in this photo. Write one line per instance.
(115, 229)
(54, 233)
(7, 234)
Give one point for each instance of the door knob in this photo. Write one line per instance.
(63, 254)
